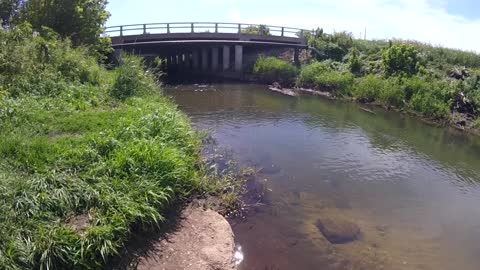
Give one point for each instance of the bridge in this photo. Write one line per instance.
(206, 46)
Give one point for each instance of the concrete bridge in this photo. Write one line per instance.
(206, 47)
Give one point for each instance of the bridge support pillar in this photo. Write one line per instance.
(204, 59)
(215, 58)
(238, 58)
(226, 58)
(187, 61)
(195, 60)
(296, 57)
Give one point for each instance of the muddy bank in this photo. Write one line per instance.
(458, 121)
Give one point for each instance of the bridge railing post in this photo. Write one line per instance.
(239, 28)
(216, 28)
(283, 30)
(145, 29)
(168, 28)
(121, 31)
(193, 29)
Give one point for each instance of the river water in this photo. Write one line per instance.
(412, 189)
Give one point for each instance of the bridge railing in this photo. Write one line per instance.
(204, 27)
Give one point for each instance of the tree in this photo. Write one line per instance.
(9, 11)
(401, 59)
(82, 21)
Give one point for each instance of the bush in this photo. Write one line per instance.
(271, 69)
(130, 78)
(334, 81)
(401, 59)
(354, 63)
(429, 104)
(368, 89)
(309, 72)
(392, 93)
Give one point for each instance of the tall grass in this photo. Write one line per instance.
(88, 155)
(271, 69)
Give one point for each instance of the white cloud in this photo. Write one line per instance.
(423, 20)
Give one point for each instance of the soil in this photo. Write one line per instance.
(200, 239)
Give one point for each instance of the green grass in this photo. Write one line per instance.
(271, 69)
(89, 156)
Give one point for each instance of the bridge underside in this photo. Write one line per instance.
(207, 52)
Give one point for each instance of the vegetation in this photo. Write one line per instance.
(257, 30)
(81, 21)
(89, 156)
(431, 81)
(272, 69)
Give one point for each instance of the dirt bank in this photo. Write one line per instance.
(200, 240)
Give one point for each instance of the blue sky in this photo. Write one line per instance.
(450, 23)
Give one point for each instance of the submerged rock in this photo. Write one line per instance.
(338, 230)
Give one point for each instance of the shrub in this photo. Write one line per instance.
(130, 78)
(401, 59)
(257, 30)
(392, 93)
(368, 89)
(309, 72)
(354, 63)
(334, 81)
(272, 69)
(430, 105)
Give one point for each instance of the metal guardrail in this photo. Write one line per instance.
(202, 27)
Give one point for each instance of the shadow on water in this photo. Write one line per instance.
(411, 188)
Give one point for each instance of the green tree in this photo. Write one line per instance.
(9, 11)
(82, 21)
(401, 59)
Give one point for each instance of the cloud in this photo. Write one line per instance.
(423, 20)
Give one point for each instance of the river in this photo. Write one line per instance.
(412, 189)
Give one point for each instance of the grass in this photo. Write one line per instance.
(89, 155)
(271, 69)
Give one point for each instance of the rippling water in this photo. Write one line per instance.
(412, 189)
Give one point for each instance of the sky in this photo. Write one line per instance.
(448, 23)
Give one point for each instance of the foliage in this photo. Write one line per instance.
(271, 69)
(47, 66)
(257, 30)
(354, 63)
(309, 72)
(401, 59)
(10, 11)
(330, 46)
(368, 89)
(80, 170)
(130, 78)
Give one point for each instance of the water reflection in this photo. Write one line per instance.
(411, 188)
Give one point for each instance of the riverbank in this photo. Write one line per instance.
(458, 121)
(90, 156)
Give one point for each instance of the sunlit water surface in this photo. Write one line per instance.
(413, 189)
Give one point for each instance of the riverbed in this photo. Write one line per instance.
(412, 189)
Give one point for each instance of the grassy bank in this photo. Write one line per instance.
(89, 155)
(436, 83)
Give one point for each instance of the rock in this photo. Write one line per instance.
(338, 230)
(204, 241)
